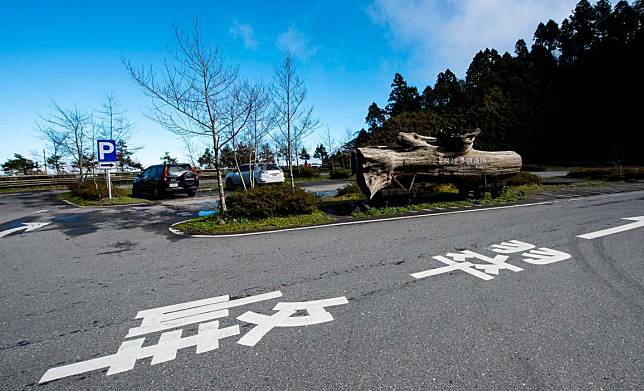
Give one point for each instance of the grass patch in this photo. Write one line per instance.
(446, 196)
(121, 200)
(215, 224)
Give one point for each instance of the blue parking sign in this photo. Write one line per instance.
(106, 150)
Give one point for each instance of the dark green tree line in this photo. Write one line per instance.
(570, 96)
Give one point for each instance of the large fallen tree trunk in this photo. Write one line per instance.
(381, 167)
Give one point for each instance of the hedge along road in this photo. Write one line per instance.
(574, 323)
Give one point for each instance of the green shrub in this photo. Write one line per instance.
(340, 173)
(524, 178)
(305, 172)
(271, 201)
(94, 191)
(349, 189)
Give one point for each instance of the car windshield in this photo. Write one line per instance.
(179, 170)
(269, 167)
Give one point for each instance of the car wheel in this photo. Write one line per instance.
(229, 184)
(190, 193)
(156, 194)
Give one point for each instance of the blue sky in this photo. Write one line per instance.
(348, 52)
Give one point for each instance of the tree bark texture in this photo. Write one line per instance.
(433, 160)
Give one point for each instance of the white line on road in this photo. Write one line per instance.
(479, 209)
(27, 227)
(638, 222)
(173, 230)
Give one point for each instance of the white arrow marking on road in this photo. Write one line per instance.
(25, 226)
(639, 222)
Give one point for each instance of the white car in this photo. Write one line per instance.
(263, 173)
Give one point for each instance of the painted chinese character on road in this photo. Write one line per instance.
(201, 312)
(469, 261)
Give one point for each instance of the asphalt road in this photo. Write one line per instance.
(70, 292)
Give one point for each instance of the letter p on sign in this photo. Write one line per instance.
(106, 150)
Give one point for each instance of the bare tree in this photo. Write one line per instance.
(190, 148)
(260, 124)
(190, 93)
(330, 144)
(113, 124)
(239, 109)
(73, 128)
(111, 120)
(294, 120)
(347, 145)
(55, 140)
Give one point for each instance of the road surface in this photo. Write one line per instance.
(548, 311)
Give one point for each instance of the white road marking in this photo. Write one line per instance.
(206, 339)
(544, 256)
(315, 310)
(359, 221)
(638, 222)
(27, 227)
(208, 334)
(460, 260)
(511, 247)
(173, 316)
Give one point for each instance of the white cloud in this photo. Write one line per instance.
(245, 31)
(442, 34)
(294, 41)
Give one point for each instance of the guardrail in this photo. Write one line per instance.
(30, 181)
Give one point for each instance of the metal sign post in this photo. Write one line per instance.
(109, 184)
(107, 160)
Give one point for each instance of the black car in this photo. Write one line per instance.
(163, 179)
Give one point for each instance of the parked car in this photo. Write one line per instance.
(163, 179)
(264, 173)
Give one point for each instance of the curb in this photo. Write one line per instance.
(103, 206)
(472, 210)
(234, 235)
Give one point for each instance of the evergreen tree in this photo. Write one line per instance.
(124, 156)
(167, 159)
(403, 98)
(362, 139)
(207, 159)
(266, 154)
(19, 165)
(304, 155)
(568, 99)
(447, 90)
(376, 117)
(321, 153)
(547, 36)
(56, 162)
